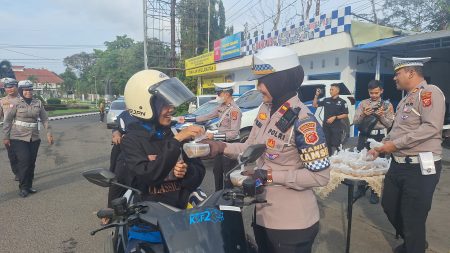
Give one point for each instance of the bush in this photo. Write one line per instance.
(40, 98)
(78, 106)
(54, 101)
(52, 107)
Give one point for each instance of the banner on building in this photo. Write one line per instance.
(201, 70)
(228, 47)
(208, 82)
(331, 23)
(198, 61)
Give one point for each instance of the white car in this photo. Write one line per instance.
(116, 108)
(199, 101)
(306, 94)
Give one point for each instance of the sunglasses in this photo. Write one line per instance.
(28, 89)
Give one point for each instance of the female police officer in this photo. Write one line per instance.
(22, 135)
(296, 158)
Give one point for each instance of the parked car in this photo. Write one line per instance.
(199, 101)
(306, 94)
(116, 108)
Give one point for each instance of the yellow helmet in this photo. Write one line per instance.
(145, 84)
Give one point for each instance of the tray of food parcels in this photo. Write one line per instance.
(358, 164)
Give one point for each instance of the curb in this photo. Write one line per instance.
(71, 116)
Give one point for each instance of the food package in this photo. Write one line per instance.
(357, 164)
(193, 149)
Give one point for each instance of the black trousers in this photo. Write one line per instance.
(26, 153)
(102, 116)
(363, 143)
(333, 136)
(407, 198)
(285, 241)
(12, 159)
(114, 190)
(222, 165)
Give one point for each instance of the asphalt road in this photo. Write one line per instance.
(60, 216)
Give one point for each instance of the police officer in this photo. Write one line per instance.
(335, 110)
(229, 115)
(381, 110)
(415, 146)
(374, 116)
(6, 103)
(296, 159)
(21, 134)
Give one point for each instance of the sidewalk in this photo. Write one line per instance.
(371, 231)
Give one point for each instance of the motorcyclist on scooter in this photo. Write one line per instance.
(152, 152)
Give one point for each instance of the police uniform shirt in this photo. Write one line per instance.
(333, 107)
(230, 119)
(6, 104)
(419, 121)
(28, 114)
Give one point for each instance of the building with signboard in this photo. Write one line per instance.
(333, 46)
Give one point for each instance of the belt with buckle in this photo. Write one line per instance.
(25, 124)
(378, 131)
(412, 159)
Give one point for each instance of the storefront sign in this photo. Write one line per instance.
(198, 61)
(228, 47)
(201, 70)
(208, 82)
(331, 23)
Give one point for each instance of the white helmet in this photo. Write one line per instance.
(145, 84)
(273, 59)
(25, 84)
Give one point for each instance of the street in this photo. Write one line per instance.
(60, 216)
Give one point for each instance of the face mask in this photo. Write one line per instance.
(220, 100)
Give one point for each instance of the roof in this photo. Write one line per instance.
(412, 42)
(41, 75)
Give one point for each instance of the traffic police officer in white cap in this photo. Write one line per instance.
(21, 134)
(229, 115)
(296, 158)
(6, 103)
(415, 146)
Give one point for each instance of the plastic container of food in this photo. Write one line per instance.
(194, 149)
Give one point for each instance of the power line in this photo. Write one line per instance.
(253, 28)
(42, 58)
(241, 11)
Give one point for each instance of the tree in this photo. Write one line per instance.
(193, 18)
(416, 15)
(80, 62)
(70, 80)
(6, 70)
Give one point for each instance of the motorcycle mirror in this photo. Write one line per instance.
(101, 177)
(252, 153)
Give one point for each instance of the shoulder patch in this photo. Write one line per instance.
(234, 115)
(426, 98)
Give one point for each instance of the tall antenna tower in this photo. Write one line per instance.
(160, 32)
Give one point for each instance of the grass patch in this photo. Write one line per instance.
(70, 111)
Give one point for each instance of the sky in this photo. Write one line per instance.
(40, 33)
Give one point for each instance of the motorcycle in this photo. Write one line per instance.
(215, 225)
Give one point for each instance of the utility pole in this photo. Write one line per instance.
(172, 37)
(209, 20)
(144, 3)
(95, 87)
(317, 8)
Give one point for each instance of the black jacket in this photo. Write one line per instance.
(149, 160)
